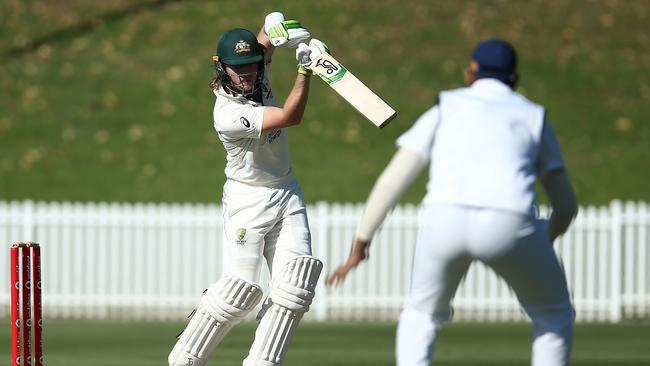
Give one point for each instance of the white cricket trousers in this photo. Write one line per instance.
(516, 247)
(264, 222)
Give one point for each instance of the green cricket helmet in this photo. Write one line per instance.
(239, 47)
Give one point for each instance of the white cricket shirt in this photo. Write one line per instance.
(486, 145)
(252, 158)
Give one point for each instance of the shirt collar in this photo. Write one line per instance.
(221, 92)
(491, 85)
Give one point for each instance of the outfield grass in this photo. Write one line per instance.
(144, 344)
(112, 104)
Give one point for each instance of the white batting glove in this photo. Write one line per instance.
(317, 48)
(284, 33)
(306, 55)
(303, 57)
(272, 19)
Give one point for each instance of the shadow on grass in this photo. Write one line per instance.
(85, 26)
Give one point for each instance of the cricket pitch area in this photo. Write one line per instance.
(103, 343)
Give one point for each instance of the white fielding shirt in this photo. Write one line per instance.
(486, 146)
(252, 157)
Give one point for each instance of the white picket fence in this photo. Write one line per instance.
(151, 262)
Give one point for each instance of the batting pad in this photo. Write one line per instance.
(291, 295)
(224, 304)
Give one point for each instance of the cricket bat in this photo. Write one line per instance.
(353, 90)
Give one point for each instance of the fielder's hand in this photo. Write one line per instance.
(284, 33)
(358, 254)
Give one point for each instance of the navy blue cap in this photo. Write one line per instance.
(496, 59)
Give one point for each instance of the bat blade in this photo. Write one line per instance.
(355, 92)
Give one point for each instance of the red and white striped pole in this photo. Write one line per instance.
(35, 251)
(26, 284)
(26, 306)
(15, 306)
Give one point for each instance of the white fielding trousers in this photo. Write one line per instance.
(516, 247)
(264, 222)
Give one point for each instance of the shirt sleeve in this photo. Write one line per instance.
(402, 170)
(550, 157)
(419, 137)
(243, 122)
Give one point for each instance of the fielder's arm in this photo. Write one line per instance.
(556, 183)
(402, 170)
(563, 202)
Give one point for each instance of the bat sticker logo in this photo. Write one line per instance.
(333, 72)
(328, 65)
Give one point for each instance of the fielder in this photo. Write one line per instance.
(264, 213)
(486, 145)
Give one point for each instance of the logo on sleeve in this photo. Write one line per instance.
(244, 122)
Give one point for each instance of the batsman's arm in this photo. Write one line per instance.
(271, 20)
(269, 49)
(293, 109)
(278, 32)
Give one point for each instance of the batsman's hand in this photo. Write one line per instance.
(284, 33)
(302, 56)
(306, 54)
(358, 254)
(317, 48)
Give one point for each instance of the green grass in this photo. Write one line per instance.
(113, 104)
(142, 344)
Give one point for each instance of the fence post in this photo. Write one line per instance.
(225, 249)
(642, 270)
(321, 304)
(28, 230)
(616, 303)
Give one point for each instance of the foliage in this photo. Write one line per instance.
(109, 101)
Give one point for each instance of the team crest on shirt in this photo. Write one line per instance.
(241, 234)
(242, 46)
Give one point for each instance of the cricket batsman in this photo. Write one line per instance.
(485, 146)
(264, 210)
